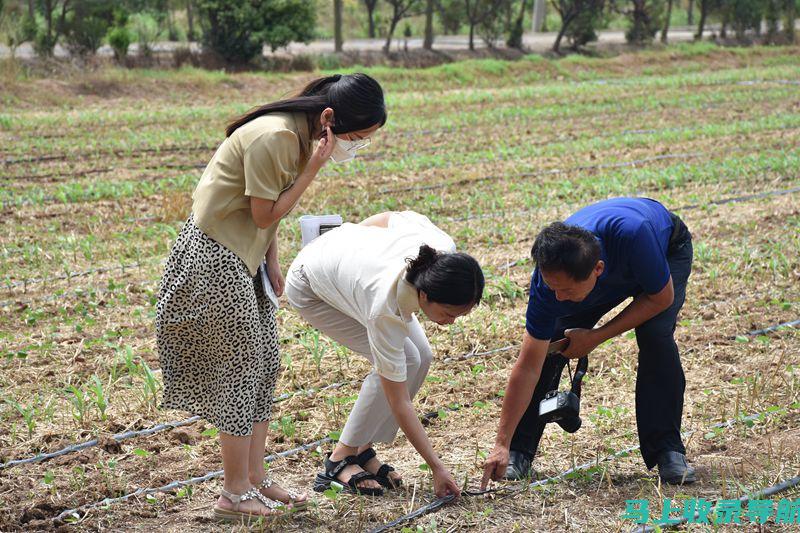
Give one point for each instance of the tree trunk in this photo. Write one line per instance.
(702, 24)
(31, 12)
(539, 12)
(690, 13)
(392, 27)
(515, 35)
(428, 42)
(337, 25)
(565, 22)
(371, 18)
(665, 29)
(790, 21)
(190, 20)
(472, 36)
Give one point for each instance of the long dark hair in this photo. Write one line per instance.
(356, 100)
(447, 278)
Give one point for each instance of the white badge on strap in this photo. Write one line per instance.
(312, 226)
(266, 284)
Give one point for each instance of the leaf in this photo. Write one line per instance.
(742, 339)
(424, 467)
(210, 432)
(142, 453)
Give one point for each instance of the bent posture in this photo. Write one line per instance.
(361, 284)
(585, 267)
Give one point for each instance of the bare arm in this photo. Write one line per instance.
(381, 220)
(266, 212)
(521, 383)
(640, 310)
(403, 410)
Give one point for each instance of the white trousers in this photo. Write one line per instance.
(371, 419)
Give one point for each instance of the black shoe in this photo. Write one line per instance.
(519, 466)
(673, 469)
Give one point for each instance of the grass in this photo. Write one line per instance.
(83, 239)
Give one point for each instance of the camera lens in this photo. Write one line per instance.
(571, 424)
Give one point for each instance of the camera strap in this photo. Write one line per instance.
(580, 371)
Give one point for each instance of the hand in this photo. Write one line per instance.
(581, 342)
(322, 153)
(444, 484)
(276, 278)
(495, 465)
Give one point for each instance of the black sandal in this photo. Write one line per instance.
(382, 476)
(332, 471)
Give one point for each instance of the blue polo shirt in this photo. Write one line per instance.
(634, 235)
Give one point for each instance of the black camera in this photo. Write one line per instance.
(564, 407)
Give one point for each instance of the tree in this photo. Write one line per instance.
(480, 12)
(645, 18)
(579, 18)
(238, 29)
(400, 10)
(789, 19)
(517, 30)
(427, 43)
(191, 35)
(55, 14)
(451, 15)
(87, 25)
(145, 26)
(337, 25)
(705, 9)
(370, 5)
(667, 18)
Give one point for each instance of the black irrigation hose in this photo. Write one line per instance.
(622, 164)
(505, 266)
(408, 133)
(166, 426)
(731, 200)
(437, 503)
(76, 512)
(776, 327)
(101, 170)
(201, 479)
(120, 153)
(26, 282)
(32, 281)
(767, 491)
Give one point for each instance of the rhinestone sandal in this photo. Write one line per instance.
(235, 515)
(297, 501)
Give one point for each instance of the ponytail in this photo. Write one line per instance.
(447, 278)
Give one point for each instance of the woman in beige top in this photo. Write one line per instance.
(216, 331)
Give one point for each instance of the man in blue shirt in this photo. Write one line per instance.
(585, 267)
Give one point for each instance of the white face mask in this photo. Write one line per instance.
(345, 150)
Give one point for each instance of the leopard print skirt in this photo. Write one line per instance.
(216, 335)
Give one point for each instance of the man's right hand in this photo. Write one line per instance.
(495, 466)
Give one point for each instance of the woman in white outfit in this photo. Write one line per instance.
(361, 284)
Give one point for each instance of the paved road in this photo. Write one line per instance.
(535, 42)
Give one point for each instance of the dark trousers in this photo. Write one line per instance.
(660, 382)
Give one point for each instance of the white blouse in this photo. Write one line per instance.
(360, 271)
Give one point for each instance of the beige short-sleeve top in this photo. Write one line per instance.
(260, 159)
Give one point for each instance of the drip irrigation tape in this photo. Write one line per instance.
(76, 512)
(166, 426)
(437, 503)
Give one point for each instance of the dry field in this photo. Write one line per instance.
(96, 174)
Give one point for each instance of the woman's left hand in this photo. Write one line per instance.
(276, 277)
